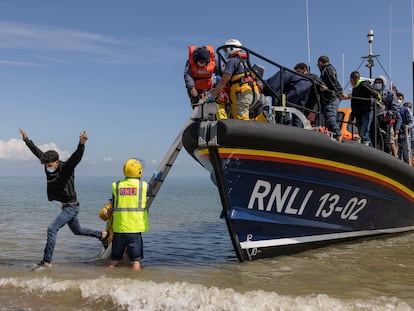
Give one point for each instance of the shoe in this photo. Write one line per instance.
(104, 240)
(339, 138)
(42, 265)
(105, 244)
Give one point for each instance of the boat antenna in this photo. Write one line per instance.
(370, 57)
(390, 48)
(307, 34)
(343, 68)
(412, 37)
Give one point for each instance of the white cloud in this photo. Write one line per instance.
(75, 46)
(29, 36)
(16, 149)
(107, 159)
(17, 63)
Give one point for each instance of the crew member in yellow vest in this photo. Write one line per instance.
(243, 91)
(130, 215)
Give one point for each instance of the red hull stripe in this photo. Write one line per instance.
(301, 160)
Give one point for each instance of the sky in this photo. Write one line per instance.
(115, 68)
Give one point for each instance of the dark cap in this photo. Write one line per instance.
(202, 54)
(323, 59)
(49, 156)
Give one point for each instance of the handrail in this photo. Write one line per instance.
(222, 59)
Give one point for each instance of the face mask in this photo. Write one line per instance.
(51, 169)
(400, 100)
(378, 86)
(227, 52)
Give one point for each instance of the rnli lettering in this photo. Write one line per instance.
(294, 201)
(127, 191)
(282, 200)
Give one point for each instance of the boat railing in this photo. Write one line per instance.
(294, 111)
(258, 64)
(283, 109)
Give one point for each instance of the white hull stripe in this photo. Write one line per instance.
(321, 237)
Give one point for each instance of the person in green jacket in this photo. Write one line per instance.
(130, 215)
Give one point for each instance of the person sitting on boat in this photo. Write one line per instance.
(199, 72)
(387, 116)
(362, 98)
(296, 87)
(243, 89)
(330, 91)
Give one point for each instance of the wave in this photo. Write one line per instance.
(131, 294)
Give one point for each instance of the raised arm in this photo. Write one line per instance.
(76, 157)
(33, 148)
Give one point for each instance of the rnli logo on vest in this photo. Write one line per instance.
(128, 191)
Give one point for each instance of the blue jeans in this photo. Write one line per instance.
(363, 123)
(69, 215)
(330, 110)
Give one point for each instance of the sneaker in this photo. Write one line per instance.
(105, 244)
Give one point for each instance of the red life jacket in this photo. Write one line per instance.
(202, 75)
(240, 54)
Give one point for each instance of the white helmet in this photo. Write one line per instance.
(231, 50)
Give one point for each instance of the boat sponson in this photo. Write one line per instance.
(288, 139)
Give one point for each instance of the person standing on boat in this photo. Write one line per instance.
(330, 92)
(388, 116)
(400, 97)
(199, 72)
(312, 104)
(61, 187)
(362, 98)
(130, 215)
(405, 133)
(296, 87)
(244, 90)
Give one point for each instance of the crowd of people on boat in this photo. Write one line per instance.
(383, 118)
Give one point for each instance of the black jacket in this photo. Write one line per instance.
(329, 78)
(60, 183)
(361, 97)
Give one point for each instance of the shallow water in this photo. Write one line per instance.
(189, 262)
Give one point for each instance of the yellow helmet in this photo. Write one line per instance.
(133, 168)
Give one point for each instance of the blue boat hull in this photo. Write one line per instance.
(285, 189)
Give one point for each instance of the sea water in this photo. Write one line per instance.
(189, 260)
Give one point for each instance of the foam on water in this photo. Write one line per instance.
(132, 294)
(189, 261)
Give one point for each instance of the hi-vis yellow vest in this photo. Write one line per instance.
(129, 203)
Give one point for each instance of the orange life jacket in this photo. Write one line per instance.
(202, 75)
